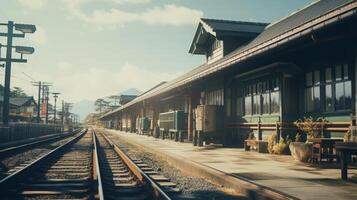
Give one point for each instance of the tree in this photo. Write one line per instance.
(17, 92)
(115, 100)
(101, 105)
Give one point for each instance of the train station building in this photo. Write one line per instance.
(257, 80)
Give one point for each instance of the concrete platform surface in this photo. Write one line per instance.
(278, 172)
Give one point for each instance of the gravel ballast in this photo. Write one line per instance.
(191, 187)
(17, 159)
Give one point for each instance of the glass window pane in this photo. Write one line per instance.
(328, 75)
(348, 95)
(316, 98)
(274, 102)
(328, 99)
(266, 104)
(256, 104)
(338, 73)
(309, 99)
(339, 98)
(345, 72)
(308, 78)
(316, 77)
(248, 105)
(240, 106)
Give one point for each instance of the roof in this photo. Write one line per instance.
(218, 28)
(285, 28)
(19, 101)
(296, 19)
(219, 25)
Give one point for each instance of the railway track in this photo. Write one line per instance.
(63, 173)
(122, 178)
(89, 166)
(15, 158)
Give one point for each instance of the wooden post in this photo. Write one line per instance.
(190, 119)
(260, 134)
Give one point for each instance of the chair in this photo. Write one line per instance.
(323, 150)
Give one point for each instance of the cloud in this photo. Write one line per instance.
(39, 37)
(33, 4)
(86, 82)
(131, 1)
(159, 15)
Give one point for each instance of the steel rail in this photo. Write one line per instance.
(11, 150)
(97, 169)
(158, 192)
(13, 179)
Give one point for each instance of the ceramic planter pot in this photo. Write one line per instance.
(301, 151)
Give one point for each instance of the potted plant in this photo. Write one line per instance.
(299, 149)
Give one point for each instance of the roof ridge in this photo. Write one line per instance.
(235, 21)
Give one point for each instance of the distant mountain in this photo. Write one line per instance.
(83, 108)
(131, 91)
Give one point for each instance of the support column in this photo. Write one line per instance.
(190, 118)
(355, 68)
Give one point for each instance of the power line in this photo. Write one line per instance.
(29, 76)
(16, 77)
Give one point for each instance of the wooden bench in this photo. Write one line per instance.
(260, 146)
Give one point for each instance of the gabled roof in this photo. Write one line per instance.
(208, 28)
(19, 101)
(275, 34)
(220, 26)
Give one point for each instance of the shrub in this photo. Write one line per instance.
(298, 137)
(310, 126)
(347, 136)
(271, 142)
(282, 146)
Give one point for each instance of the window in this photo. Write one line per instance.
(258, 98)
(274, 97)
(328, 90)
(248, 101)
(336, 87)
(312, 91)
(343, 88)
(215, 97)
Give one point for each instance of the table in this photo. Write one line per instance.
(346, 149)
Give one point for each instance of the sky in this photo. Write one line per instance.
(95, 48)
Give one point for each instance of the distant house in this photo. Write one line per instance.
(21, 108)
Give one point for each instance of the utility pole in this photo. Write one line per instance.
(62, 117)
(6, 108)
(24, 28)
(47, 98)
(38, 100)
(41, 87)
(55, 96)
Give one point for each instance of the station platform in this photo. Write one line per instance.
(274, 174)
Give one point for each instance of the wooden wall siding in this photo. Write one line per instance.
(214, 97)
(215, 54)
